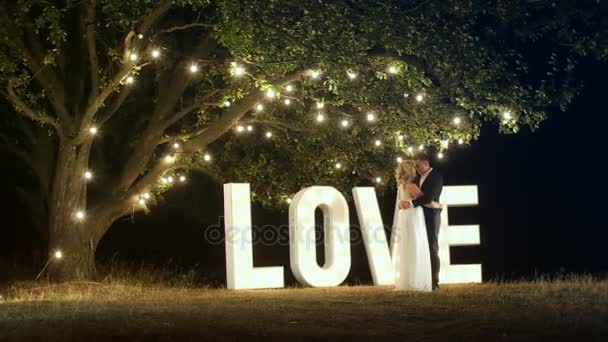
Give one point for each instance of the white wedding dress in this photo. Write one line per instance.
(410, 247)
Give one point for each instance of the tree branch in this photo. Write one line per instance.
(21, 107)
(185, 27)
(279, 124)
(89, 25)
(412, 60)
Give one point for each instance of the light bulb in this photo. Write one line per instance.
(146, 195)
(410, 149)
(270, 94)
(419, 97)
(182, 178)
(142, 201)
(268, 134)
(193, 68)
(287, 102)
(378, 143)
(130, 80)
(421, 147)
(400, 137)
(169, 159)
(79, 215)
(315, 74)
(133, 57)
(344, 123)
(440, 155)
(240, 128)
(88, 175)
(170, 179)
(155, 54)
(259, 107)
(406, 95)
(140, 36)
(378, 179)
(457, 121)
(320, 118)
(58, 254)
(445, 143)
(288, 200)
(399, 159)
(320, 105)
(289, 88)
(207, 157)
(93, 130)
(227, 103)
(392, 69)
(249, 128)
(507, 115)
(351, 75)
(239, 71)
(338, 165)
(370, 117)
(460, 141)
(175, 146)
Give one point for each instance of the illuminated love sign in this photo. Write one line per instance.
(241, 274)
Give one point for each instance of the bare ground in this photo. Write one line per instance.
(547, 311)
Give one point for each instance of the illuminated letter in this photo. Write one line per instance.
(457, 196)
(302, 246)
(240, 273)
(374, 237)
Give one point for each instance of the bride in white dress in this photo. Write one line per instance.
(409, 243)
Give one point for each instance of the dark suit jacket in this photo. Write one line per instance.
(432, 186)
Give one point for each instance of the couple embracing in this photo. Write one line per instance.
(416, 222)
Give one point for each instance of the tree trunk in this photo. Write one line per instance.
(75, 237)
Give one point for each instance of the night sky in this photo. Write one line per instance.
(540, 194)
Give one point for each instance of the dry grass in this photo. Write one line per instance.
(127, 309)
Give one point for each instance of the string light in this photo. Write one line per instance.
(169, 159)
(406, 95)
(133, 57)
(289, 88)
(445, 143)
(351, 75)
(268, 135)
(155, 53)
(392, 69)
(419, 97)
(249, 128)
(460, 141)
(93, 130)
(227, 103)
(142, 201)
(182, 178)
(130, 80)
(288, 200)
(378, 179)
(378, 143)
(146, 195)
(240, 128)
(507, 115)
(338, 165)
(400, 137)
(175, 146)
(259, 107)
(315, 74)
(421, 147)
(320, 105)
(88, 175)
(170, 179)
(287, 102)
(163, 180)
(344, 123)
(440, 155)
(80, 215)
(207, 157)
(457, 121)
(399, 159)
(58, 254)
(238, 70)
(320, 118)
(370, 117)
(140, 36)
(193, 68)
(270, 94)
(410, 149)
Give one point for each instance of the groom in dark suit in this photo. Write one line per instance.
(430, 182)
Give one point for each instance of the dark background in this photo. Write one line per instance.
(540, 212)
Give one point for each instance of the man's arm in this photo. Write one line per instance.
(434, 185)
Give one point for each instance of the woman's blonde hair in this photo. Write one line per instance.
(405, 171)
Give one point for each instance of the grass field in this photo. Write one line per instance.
(563, 310)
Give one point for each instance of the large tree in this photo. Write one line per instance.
(114, 101)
